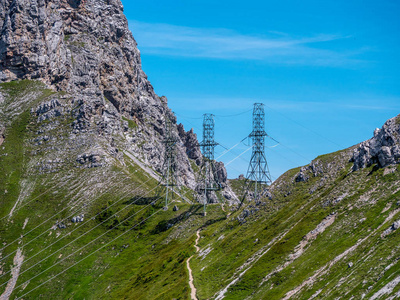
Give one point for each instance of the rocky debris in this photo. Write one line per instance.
(203, 253)
(2, 137)
(48, 110)
(389, 170)
(15, 271)
(383, 149)
(91, 160)
(247, 212)
(339, 198)
(302, 176)
(77, 219)
(49, 166)
(268, 194)
(25, 223)
(315, 168)
(395, 226)
(61, 225)
(310, 237)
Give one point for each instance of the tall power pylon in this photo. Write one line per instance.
(208, 145)
(169, 178)
(258, 172)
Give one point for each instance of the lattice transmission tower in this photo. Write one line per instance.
(258, 172)
(208, 145)
(169, 174)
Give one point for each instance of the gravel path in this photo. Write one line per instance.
(192, 287)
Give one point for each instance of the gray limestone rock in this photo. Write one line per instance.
(302, 176)
(393, 227)
(382, 149)
(77, 219)
(396, 225)
(85, 54)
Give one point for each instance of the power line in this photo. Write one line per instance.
(48, 219)
(16, 209)
(105, 245)
(82, 236)
(80, 227)
(217, 115)
(299, 124)
(230, 149)
(239, 156)
(307, 159)
(234, 115)
(186, 117)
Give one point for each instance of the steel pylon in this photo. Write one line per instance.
(258, 172)
(208, 146)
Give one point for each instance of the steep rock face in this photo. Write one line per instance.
(76, 46)
(383, 149)
(191, 144)
(84, 51)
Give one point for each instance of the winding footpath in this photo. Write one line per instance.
(192, 287)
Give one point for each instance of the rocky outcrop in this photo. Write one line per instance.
(85, 54)
(302, 175)
(191, 144)
(393, 227)
(383, 149)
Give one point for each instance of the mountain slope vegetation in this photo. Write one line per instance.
(82, 196)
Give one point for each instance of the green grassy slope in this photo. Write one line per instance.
(260, 254)
(321, 238)
(121, 250)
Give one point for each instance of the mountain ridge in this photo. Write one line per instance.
(81, 155)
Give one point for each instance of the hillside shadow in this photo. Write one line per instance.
(167, 224)
(139, 200)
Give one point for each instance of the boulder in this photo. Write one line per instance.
(382, 149)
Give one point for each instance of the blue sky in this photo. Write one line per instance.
(327, 71)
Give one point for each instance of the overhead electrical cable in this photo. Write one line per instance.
(234, 115)
(299, 124)
(45, 221)
(83, 235)
(228, 150)
(122, 198)
(239, 156)
(36, 197)
(105, 245)
(76, 228)
(24, 235)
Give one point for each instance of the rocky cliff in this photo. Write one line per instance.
(84, 52)
(81, 150)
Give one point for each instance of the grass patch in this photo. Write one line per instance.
(131, 124)
(12, 162)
